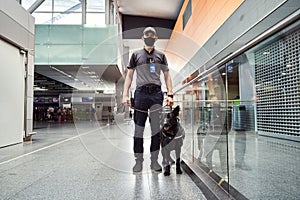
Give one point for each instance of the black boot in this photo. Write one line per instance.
(138, 166)
(154, 156)
(155, 166)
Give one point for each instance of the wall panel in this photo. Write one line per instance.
(12, 95)
(207, 17)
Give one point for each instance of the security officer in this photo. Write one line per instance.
(147, 63)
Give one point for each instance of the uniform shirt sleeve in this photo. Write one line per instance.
(164, 66)
(132, 62)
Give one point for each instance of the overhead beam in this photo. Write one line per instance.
(35, 5)
(133, 26)
(83, 2)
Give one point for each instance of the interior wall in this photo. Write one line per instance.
(12, 95)
(207, 16)
(17, 55)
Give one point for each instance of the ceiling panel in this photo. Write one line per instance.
(89, 77)
(164, 9)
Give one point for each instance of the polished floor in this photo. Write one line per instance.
(270, 167)
(85, 160)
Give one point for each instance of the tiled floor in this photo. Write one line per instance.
(272, 164)
(274, 169)
(85, 161)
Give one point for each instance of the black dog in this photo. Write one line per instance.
(172, 135)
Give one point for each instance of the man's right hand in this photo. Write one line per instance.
(170, 101)
(126, 101)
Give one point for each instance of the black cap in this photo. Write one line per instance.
(149, 30)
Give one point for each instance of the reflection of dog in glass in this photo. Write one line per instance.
(172, 135)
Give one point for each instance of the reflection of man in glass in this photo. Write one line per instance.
(239, 114)
(216, 135)
(202, 130)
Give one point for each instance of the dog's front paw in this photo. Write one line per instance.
(178, 171)
(166, 173)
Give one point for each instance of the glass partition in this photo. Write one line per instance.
(229, 112)
(204, 115)
(75, 45)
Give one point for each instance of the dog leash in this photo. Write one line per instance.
(143, 111)
(135, 109)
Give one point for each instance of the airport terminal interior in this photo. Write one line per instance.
(66, 133)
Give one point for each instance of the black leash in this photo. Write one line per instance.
(122, 108)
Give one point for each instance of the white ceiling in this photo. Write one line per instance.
(161, 9)
(165, 9)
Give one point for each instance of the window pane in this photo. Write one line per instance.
(42, 18)
(71, 18)
(67, 6)
(95, 18)
(27, 3)
(46, 6)
(46, 18)
(95, 5)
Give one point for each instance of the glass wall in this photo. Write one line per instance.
(75, 44)
(67, 12)
(228, 112)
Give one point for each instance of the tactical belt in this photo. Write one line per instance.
(149, 88)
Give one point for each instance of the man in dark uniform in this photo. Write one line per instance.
(148, 97)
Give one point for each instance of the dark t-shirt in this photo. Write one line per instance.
(148, 66)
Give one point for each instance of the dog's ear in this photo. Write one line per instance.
(176, 111)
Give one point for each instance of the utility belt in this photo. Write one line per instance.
(149, 88)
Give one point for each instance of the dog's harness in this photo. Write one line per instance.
(180, 136)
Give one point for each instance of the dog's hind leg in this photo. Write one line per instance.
(178, 168)
(164, 161)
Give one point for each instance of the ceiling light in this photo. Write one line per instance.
(60, 71)
(39, 89)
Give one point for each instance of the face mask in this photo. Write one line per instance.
(149, 41)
